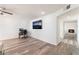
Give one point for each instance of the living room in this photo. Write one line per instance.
(41, 40)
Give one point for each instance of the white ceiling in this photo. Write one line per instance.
(33, 11)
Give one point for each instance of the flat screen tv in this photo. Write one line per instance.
(37, 24)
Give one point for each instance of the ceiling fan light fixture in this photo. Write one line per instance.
(4, 10)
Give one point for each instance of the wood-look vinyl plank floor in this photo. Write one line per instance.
(32, 46)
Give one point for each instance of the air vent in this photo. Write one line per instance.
(68, 6)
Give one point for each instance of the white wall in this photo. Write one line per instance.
(49, 31)
(78, 30)
(9, 25)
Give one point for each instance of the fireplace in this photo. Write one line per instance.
(71, 31)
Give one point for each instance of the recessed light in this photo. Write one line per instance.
(42, 12)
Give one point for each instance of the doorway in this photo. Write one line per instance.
(70, 32)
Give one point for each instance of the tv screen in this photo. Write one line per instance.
(37, 24)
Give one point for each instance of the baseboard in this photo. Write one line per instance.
(44, 41)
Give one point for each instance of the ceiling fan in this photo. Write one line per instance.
(4, 10)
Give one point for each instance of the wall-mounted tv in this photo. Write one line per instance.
(37, 24)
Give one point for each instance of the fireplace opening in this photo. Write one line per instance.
(71, 31)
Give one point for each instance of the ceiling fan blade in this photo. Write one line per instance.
(1, 12)
(7, 12)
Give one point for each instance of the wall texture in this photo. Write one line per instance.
(9, 25)
(49, 31)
